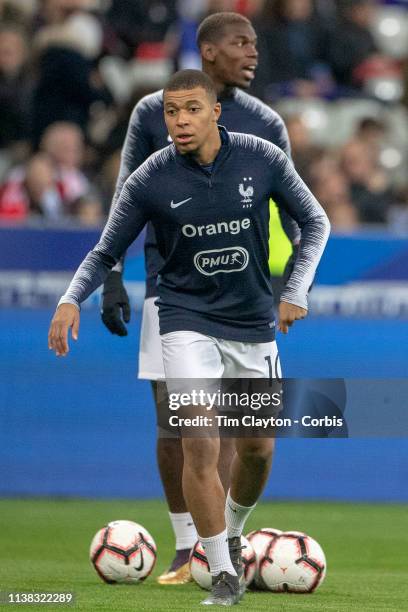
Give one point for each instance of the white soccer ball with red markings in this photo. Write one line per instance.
(292, 562)
(200, 569)
(123, 551)
(259, 540)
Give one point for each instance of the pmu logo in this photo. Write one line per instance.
(230, 259)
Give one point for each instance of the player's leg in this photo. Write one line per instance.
(249, 473)
(169, 449)
(170, 463)
(227, 454)
(252, 463)
(170, 459)
(202, 486)
(206, 500)
(193, 361)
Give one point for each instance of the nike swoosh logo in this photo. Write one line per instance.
(141, 564)
(177, 204)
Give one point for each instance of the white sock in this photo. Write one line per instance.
(184, 529)
(217, 553)
(235, 516)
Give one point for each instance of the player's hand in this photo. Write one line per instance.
(115, 309)
(66, 317)
(288, 314)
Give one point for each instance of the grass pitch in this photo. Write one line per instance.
(44, 547)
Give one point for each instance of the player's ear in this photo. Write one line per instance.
(217, 111)
(208, 52)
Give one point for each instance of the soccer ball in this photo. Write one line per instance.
(123, 551)
(200, 569)
(292, 562)
(260, 539)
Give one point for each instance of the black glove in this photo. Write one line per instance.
(290, 264)
(115, 304)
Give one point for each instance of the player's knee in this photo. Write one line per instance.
(227, 447)
(257, 452)
(169, 450)
(201, 454)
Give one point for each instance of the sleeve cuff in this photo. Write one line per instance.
(68, 300)
(294, 301)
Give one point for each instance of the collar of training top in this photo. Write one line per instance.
(188, 159)
(227, 95)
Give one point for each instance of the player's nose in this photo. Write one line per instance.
(182, 118)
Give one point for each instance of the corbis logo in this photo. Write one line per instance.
(230, 259)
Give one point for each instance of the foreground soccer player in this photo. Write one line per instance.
(216, 312)
(227, 42)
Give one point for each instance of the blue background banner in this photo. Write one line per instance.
(85, 426)
(362, 256)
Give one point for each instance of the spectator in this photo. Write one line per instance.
(66, 88)
(333, 193)
(52, 12)
(292, 44)
(145, 22)
(190, 14)
(324, 164)
(64, 144)
(15, 86)
(16, 11)
(88, 211)
(352, 43)
(31, 191)
(372, 131)
(370, 189)
(304, 152)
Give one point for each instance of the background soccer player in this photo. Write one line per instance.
(227, 42)
(216, 317)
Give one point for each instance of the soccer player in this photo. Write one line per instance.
(207, 196)
(227, 42)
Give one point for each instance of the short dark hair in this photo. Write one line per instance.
(189, 79)
(212, 28)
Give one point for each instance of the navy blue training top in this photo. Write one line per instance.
(212, 234)
(147, 133)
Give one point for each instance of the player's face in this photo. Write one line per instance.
(190, 117)
(234, 58)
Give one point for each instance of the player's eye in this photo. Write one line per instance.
(194, 109)
(171, 112)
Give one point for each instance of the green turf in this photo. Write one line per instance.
(44, 546)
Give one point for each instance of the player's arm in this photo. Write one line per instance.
(124, 225)
(291, 194)
(115, 307)
(278, 134)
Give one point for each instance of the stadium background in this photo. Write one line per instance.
(84, 426)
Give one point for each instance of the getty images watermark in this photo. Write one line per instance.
(289, 407)
(220, 401)
(254, 401)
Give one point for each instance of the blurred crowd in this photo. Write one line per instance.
(72, 70)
